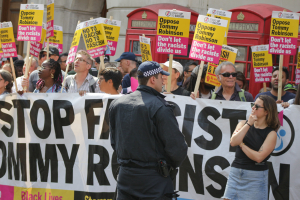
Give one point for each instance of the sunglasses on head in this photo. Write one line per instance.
(256, 106)
(227, 74)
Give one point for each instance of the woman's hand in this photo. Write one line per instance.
(193, 95)
(285, 104)
(252, 118)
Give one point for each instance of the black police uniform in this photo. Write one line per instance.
(144, 130)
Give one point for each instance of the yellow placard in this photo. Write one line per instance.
(94, 36)
(298, 65)
(7, 35)
(76, 38)
(41, 193)
(57, 38)
(31, 17)
(262, 59)
(112, 32)
(1, 52)
(210, 77)
(146, 52)
(284, 27)
(227, 55)
(44, 32)
(173, 26)
(209, 33)
(50, 12)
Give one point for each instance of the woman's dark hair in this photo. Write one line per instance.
(133, 72)
(193, 78)
(270, 106)
(241, 77)
(297, 98)
(6, 75)
(57, 75)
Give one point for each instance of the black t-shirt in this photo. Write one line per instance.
(181, 91)
(254, 138)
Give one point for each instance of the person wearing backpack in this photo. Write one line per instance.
(82, 81)
(229, 89)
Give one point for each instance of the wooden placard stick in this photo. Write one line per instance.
(265, 86)
(28, 64)
(67, 69)
(196, 89)
(280, 78)
(47, 48)
(13, 73)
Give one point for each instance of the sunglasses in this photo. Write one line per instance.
(227, 74)
(256, 106)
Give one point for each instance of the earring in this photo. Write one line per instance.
(52, 75)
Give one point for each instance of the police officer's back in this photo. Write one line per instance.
(146, 138)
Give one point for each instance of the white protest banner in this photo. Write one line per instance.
(145, 46)
(57, 146)
(262, 63)
(283, 33)
(112, 32)
(173, 27)
(30, 22)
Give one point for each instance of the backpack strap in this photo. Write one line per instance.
(242, 95)
(213, 95)
(92, 84)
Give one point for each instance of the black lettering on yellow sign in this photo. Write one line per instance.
(146, 54)
(211, 69)
(225, 55)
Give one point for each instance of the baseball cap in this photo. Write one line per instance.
(52, 50)
(289, 86)
(19, 63)
(150, 68)
(175, 65)
(127, 56)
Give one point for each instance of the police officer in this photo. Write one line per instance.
(145, 135)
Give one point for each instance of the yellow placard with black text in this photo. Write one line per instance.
(145, 49)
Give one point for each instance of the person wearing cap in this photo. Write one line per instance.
(290, 88)
(177, 71)
(285, 96)
(145, 134)
(82, 81)
(127, 63)
(22, 64)
(18, 64)
(229, 89)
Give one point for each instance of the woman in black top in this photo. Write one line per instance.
(256, 139)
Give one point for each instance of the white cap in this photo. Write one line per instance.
(175, 65)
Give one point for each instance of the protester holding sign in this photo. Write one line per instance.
(205, 89)
(229, 89)
(50, 78)
(286, 96)
(146, 138)
(255, 140)
(6, 82)
(177, 70)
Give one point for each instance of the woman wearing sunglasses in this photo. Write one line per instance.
(255, 140)
(50, 78)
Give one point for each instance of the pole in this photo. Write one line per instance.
(170, 71)
(265, 86)
(196, 89)
(280, 78)
(14, 73)
(63, 83)
(47, 48)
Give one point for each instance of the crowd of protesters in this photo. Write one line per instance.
(85, 75)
